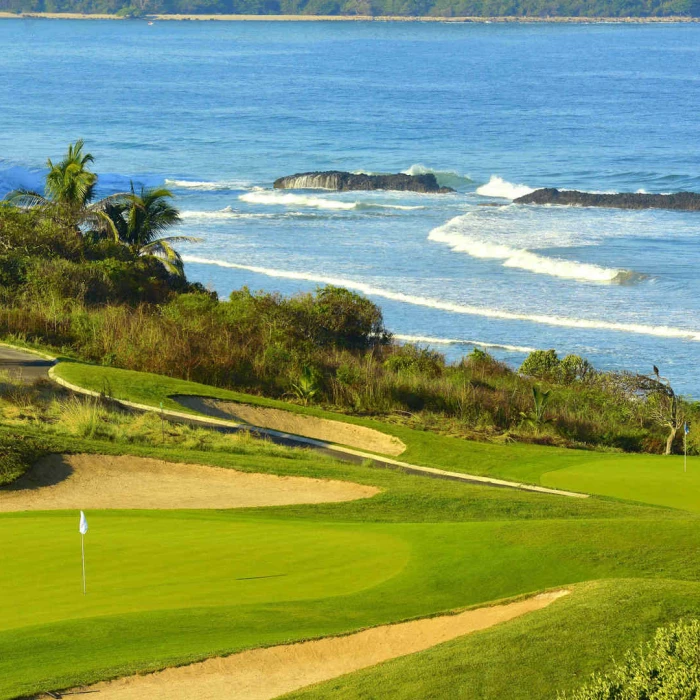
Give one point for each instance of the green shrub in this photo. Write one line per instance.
(667, 668)
(411, 359)
(17, 454)
(541, 364)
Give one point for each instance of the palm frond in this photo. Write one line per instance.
(27, 199)
(167, 255)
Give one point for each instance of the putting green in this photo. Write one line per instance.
(139, 562)
(644, 478)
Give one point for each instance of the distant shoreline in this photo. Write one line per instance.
(359, 18)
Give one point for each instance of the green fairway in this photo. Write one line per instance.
(152, 561)
(645, 478)
(169, 587)
(154, 574)
(532, 657)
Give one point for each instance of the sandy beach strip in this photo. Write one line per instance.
(358, 18)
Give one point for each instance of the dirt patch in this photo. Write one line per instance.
(85, 482)
(337, 432)
(262, 674)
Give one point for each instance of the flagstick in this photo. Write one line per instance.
(82, 547)
(685, 451)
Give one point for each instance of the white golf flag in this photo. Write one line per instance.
(83, 523)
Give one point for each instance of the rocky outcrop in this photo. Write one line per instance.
(343, 182)
(681, 201)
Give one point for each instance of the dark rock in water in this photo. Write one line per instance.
(344, 182)
(682, 201)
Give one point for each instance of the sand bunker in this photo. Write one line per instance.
(100, 481)
(308, 426)
(268, 673)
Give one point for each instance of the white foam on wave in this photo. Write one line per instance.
(207, 186)
(287, 199)
(498, 187)
(225, 213)
(452, 235)
(445, 178)
(456, 341)
(453, 307)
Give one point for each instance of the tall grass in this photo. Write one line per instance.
(254, 344)
(59, 413)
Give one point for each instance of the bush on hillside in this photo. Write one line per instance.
(17, 454)
(667, 668)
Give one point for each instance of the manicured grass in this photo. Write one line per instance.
(645, 478)
(642, 478)
(146, 561)
(154, 575)
(168, 587)
(164, 585)
(531, 657)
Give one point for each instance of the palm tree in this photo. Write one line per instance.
(140, 219)
(68, 194)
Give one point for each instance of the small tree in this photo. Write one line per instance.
(664, 405)
(140, 219)
(543, 364)
(68, 196)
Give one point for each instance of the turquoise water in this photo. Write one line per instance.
(219, 110)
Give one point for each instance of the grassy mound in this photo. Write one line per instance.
(18, 453)
(637, 477)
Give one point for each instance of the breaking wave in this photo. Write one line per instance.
(300, 200)
(456, 341)
(231, 213)
(206, 186)
(453, 307)
(451, 235)
(445, 178)
(498, 187)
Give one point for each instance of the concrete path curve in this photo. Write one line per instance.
(22, 364)
(36, 365)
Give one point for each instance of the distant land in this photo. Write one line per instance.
(406, 10)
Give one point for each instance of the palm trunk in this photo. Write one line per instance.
(669, 441)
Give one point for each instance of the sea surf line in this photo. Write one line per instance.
(451, 234)
(456, 341)
(207, 186)
(267, 197)
(452, 307)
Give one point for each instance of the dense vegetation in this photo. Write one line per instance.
(666, 667)
(378, 8)
(99, 279)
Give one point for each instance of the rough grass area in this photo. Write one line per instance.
(53, 412)
(646, 478)
(18, 453)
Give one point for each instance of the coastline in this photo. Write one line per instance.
(359, 18)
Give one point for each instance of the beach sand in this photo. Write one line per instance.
(357, 18)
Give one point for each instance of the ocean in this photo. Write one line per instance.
(218, 110)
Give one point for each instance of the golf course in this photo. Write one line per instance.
(196, 554)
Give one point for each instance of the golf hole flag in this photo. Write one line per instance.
(83, 528)
(83, 523)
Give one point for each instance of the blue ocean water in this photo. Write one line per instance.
(218, 110)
